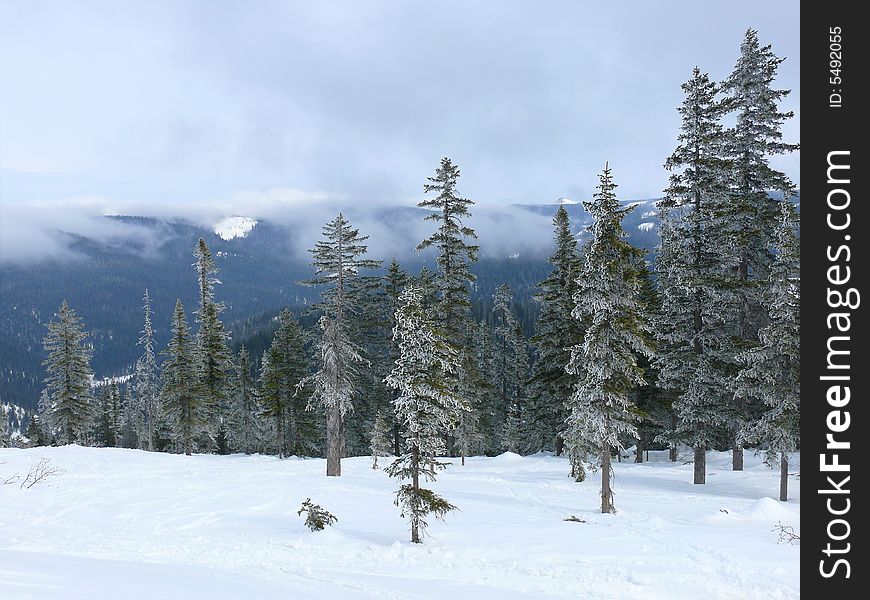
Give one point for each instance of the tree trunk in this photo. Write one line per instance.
(415, 482)
(606, 493)
(333, 442)
(700, 464)
(560, 445)
(783, 476)
(737, 457)
(672, 454)
(396, 448)
(281, 443)
(638, 455)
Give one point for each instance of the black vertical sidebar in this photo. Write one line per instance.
(835, 431)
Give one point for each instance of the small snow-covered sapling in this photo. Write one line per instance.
(317, 517)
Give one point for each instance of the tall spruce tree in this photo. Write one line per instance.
(337, 259)
(556, 332)
(455, 255)
(146, 382)
(454, 258)
(109, 420)
(394, 283)
(608, 302)
(180, 396)
(510, 362)
(427, 405)
(67, 406)
(380, 438)
(771, 371)
(752, 213)
(244, 426)
(212, 352)
(696, 355)
(283, 367)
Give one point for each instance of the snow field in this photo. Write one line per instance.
(132, 524)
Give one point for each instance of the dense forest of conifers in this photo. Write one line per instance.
(698, 348)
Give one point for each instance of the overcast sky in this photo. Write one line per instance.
(135, 103)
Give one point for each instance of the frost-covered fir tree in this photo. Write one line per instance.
(129, 435)
(696, 354)
(555, 333)
(609, 305)
(454, 258)
(771, 371)
(427, 405)
(489, 401)
(337, 259)
(180, 396)
(394, 282)
(67, 406)
(510, 360)
(455, 254)
(109, 419)
(752, 213)
(244, 426)
(146, 383)
(212, 352)
(283, 367)
(511, 436)
(380, 438)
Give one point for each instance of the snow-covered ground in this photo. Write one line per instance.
(130, 524)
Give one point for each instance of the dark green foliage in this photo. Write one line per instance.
(417, 503)
(283, 367)
(316, 517)
(180, 396)
(67, 406)
(556, 332)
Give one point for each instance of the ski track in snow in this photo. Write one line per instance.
(132, 524)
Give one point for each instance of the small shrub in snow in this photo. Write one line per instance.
(787, 534)
(317, 517)
(575, 519)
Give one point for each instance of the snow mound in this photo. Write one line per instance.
(768, 509)
(234, 227)
(508, 456)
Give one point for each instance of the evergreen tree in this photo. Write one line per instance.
(752, 213)
(454, 254)
(608, 302)
(129, 437)
(180, 396)
(488, 399)
(146, 383)
(36, 433)
(244, 426)
(511, 434)
(283, 367)
(110, 418)
(771, 371)
(380, 438)
(67, 406)
(394, 283)
(338, 258)
(556, 332)
(212, 352)
(696, 356)
(427, 405)
(510, 360)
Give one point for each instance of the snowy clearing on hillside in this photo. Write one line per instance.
(233, 227)
(131, 524)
